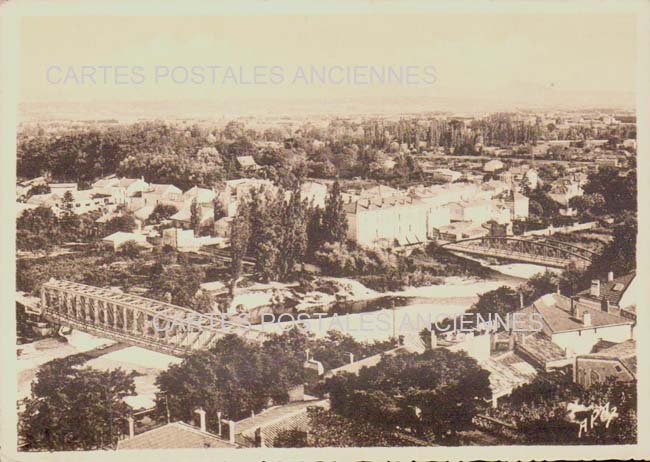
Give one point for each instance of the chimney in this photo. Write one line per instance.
(131, 427)
(586, 319)
(201, 414)
(604, 305)
(595, 288)
(219, 421)
(610, 276)
(351, 357)
(434, 340)
(231, 431)
(521, 300)
(307, 354)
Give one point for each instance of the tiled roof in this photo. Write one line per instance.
(126, 182)
(175, 435)
(363, 205)
(161, 188)
(556, 311)
(508, 371)
(201, 194)
(607, 289)
(246, 161)
(275, 414)
(540, 349)
(185, 214)
(624, 352)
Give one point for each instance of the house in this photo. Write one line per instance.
(575, 327)
(261, 430)
(508, 370)
(49, 200)
(447, 175)
(175, 435)
(384, 221)
(179, 238)
(437, 214)
(62, 188)
(201, 195)
(143, 213)
(183, 218)
(609, 360)
(493, 188)
(477, 211)
(493, 165)
(233, 192)
(122, 189)
(155, 194)
(615, 294)
(518, 204)
(563, 190)
(82, 201)
(247, 163)
(117, 239)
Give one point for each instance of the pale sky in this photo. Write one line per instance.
(481, 55)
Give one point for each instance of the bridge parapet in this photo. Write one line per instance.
(133, 319)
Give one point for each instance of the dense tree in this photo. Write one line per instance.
(332, 350)
(437, 393)
(500, 301)
(619, 192)
(592, 204)
(124, 222)
(240, 234)
(72, 408)
(264, 245)
(195, 216)
(37, 229)
(539, 284)
(160, 213)
(234, 377)
(335, 225)
(328, 429)
(293, 242)
(619, 255)
(217, 209)
(540, 411)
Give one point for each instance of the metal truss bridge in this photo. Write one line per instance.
(539, 251)
(134, 320)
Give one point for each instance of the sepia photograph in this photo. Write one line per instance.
(250, 230)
